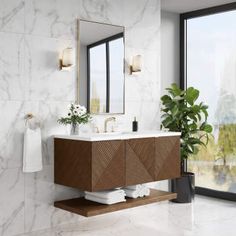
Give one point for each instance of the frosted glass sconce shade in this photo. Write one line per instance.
(136, 64)
(67, 60)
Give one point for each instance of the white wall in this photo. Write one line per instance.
(169, 57)
(32, 35)
(169, 49)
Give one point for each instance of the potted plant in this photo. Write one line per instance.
(76, 115)
(182, 113)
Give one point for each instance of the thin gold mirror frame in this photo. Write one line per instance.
(78, 66)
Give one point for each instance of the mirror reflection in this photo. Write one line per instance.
(101, 67)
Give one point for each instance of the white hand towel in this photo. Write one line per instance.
(134, 187)
(132, 193)
(32, 153)
(105, 201)
(146, 192)
(136, 191)
(108, 193)
(96, 194)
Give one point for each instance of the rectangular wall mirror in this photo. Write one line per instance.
(101, 67)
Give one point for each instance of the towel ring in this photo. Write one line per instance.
(28, 117)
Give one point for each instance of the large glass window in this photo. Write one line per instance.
(210, 66)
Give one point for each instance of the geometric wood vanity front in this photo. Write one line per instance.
(152, 159)
(99, 165)
(167, 158)
(89, 166)
(140, 161)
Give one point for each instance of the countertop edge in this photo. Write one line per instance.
(117, 137)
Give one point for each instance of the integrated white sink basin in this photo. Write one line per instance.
(108, 133)
(118, 135)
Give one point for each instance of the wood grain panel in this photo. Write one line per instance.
(72, 163)
(140, 161)
(94, 166)
(87, 208)
(167, 158)
(108, 164)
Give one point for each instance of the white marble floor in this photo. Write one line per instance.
(205, 217)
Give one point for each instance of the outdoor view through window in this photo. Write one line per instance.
(211, 68)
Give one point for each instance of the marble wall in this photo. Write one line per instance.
(32, 34)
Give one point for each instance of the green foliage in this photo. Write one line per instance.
(207, 153)
(226, 141)
(76, 115)
(181, 113)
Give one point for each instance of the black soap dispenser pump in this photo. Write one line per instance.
(135, 125)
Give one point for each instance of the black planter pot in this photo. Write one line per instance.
(184, 187)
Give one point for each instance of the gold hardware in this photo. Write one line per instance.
(106, 121)
(67, 60)
(97, 129)
(29, 116)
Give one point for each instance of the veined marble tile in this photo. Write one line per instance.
(104, 11)
(142, 18)
(142, 89)
(40, 193)
(29, 74)
(147, 114)
(12, 82)
(63, 192)
(145, 85)
(12, 16)
(52, 18)
(205, 216)
(45, 80)
(159, 185)
(13, 125)
(49, 113)
(11, 202)
(11, 134)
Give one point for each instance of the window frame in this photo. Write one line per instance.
(183, 76)
(105, 41)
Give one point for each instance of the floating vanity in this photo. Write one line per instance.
(106, 161)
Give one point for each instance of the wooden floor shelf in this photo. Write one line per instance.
(87, 208)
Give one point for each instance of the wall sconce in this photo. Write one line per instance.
(67, 60)
(136, 64)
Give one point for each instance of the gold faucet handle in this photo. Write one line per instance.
(112, 118)
(106, 122)
(96, 129)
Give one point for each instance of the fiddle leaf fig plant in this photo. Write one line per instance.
(182, 113)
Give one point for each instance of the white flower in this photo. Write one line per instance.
(83, 110)
(76, 109)
(70, 105)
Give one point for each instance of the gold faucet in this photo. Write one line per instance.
(106, 121)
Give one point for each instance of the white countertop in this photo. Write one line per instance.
(118, 135)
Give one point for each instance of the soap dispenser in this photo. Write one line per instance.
(135, 125)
